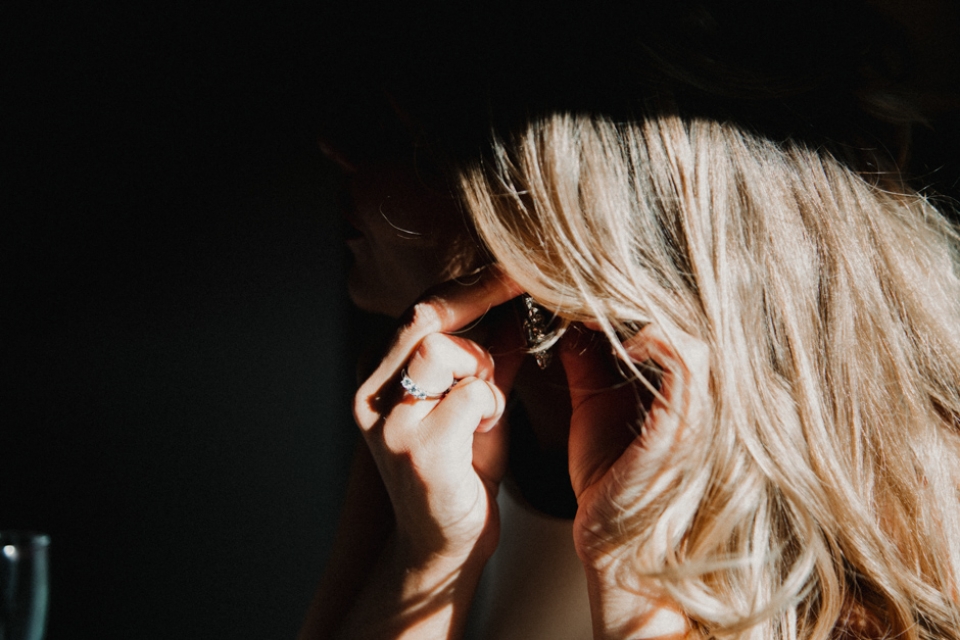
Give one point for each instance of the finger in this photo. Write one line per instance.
(473, 400)
(684, 361)
(588, 364)
(437, 365)
(447, 308)
(606, 407)
(451, 428)
(440, 360)
(652, 460)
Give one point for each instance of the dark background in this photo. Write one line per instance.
(176, 341)
(176, 378)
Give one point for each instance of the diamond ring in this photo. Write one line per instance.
(412, 389)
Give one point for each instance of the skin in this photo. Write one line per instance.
(408, 237)
(436, 464)
(442, 460)
(401, 575)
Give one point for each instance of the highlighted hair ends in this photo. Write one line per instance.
(825, 501)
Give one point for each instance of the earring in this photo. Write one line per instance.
(539, 339)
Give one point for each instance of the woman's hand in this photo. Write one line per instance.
(441, 459)
(622, 460)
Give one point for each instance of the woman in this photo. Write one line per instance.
(409, 236)
(773, 453)
(797, 471)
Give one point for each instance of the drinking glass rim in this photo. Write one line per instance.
(22, 537)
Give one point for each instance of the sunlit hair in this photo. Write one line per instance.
(822, 502)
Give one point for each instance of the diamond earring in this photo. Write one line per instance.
(535, 328)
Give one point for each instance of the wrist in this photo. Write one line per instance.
(415, 595)
(639, 610)
(473, 540)
(419, 552)
(415, 565)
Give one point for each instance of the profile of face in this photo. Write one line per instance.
(406, 236)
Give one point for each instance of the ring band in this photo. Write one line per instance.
(412, 389)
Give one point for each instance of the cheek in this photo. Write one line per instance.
(420, 235)
(394, 201)
(411, 238)
(390, 273)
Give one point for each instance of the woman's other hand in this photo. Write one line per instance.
(622, 459)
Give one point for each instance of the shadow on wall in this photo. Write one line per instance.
(176, 388)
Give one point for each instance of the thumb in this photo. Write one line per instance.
(682, 403)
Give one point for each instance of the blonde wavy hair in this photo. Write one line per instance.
(823, 502)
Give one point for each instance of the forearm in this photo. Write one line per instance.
(625, 614)
(365, 524)
(414, 599)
